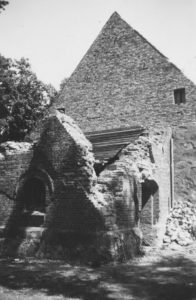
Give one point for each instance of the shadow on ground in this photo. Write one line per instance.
(170, 278)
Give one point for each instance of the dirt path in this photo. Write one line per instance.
(161, 274)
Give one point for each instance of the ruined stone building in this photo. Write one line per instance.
(123, 80)
(97, 193)
(57, 201)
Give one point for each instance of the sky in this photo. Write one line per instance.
(55, 34)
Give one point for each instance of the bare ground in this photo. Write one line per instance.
(161, 274)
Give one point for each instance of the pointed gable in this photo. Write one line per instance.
(124, 80)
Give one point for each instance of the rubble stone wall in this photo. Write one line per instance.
(181, 224)
(161, 150)
(62, 155)
(122, 80)
(185, 162)
(146, 161)
(14, 161)
(88, 218)
(80, 222)
(118, 187)
(151, 154)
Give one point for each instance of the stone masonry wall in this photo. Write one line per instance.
(87, 218)
(146, 161)
(14, 161)
(161, 150)
(185, 162)
(63, 156)
(122, 80)
(152, 156)
(117, 185)
(181, 224)
(80, 222)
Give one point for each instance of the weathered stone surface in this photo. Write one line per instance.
(14, 161)
(122, 80)
(121, 185)
(86, 218)
(180, 228)
(11, 147)
(185, 162)
(62, 159)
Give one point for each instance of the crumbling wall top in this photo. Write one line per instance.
(13, 148)
(139, 155)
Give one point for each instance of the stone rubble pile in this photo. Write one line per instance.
(181, 224)
(138, 160)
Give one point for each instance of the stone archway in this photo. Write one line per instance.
(34, 193)
(33, 196)
(149, 216)
(150, 201)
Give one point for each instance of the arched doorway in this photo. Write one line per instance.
(150, 211)
(34, 195)
(150, 202)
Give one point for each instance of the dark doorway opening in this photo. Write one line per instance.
(27, 222)
(34, 195)
(150, 201)
(34, 202)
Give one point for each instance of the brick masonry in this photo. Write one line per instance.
(86, 218)
(76, 225)
(14, 161)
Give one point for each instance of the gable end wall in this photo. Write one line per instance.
(123, 80)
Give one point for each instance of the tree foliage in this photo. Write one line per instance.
(3, 4)
(23, 98)
(62, 84)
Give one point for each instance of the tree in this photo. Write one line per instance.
(23, 98)
(51, 94)
(3, 4)
(63, 83)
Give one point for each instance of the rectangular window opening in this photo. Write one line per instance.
(179, 96)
